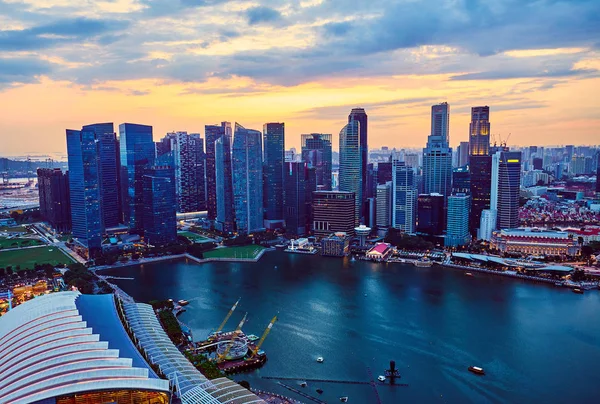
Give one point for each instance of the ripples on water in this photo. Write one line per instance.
(537, 343)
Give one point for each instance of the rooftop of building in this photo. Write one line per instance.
(534, 232)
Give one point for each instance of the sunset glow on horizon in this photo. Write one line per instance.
(181, 64)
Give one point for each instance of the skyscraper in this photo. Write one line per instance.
(457, 231)
(137, 154)
(384, 172)
(55, 205)
(437, 156)
(247, 179)
(430, 214)
(463, 154)
(108, 147)
(480, 165)
(223, 182)
(274, 141)
(316, 151)
(350, 176)
(479, 131)
(359, 115)
(333, 211)
(159, 207)
(598, 172)
(384, 207)
(298, 194)
(461, 180)
(84, 189)
(212, 133)
(506, 181)
(404, 197)
(188, 164)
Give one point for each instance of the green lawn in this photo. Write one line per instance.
(28, 257)
(194, 237)
(21, 242)
(14, 229)
(247, 251)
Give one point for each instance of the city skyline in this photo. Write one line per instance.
(233, 66)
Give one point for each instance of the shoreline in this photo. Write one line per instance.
(179, 256)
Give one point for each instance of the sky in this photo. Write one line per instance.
(181, 64)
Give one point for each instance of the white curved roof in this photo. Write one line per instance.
(48, 349)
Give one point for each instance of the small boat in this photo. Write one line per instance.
(183, 302)
(253, 337)
(344, 399)
(320, 391)
(381, 378)
(578, 290)
(303, 384)
(468, 274)
(423, 263)
(476, 370)
(320, 359)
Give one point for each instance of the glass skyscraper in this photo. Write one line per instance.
(480, 165)
(299, 180)
(55, 204)
(108, 147)
(505, 188)
(274, 140)
(350, 176)
(247, 179)
(457, 231)
(212, 133)
(437, 156)
(84, 189)
(137, 154)
(225, 213)
(404, 197)
(316, 151)
(359, 115)
(159, 208)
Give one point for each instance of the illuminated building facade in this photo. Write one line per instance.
(535, 241)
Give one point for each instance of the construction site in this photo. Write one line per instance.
(234, 351)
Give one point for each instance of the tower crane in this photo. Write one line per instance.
(227, 317)
(223, 356)
(262, 339)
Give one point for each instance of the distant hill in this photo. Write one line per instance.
(18, 168)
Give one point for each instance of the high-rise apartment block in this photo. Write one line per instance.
(55, 205)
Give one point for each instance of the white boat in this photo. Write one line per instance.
(381, 378)
(320, 359)
(303, 384)
(344, 399)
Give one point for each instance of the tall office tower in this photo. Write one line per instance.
(569, 149)
(461, 180)
(299, 180)
(506, 182)
(316, 151)
(187, 156)
(333, 211)
(479, 131)
(537, 163)
(463, 154)
(212, 133)
(404, 197)
(384, 172)
(108, 147)
(371, 182)
(246, 157)
(457, 230)
(225, 209)
(273, 140)
(137, 154)
(384, 207)
(437, 156)
(350, 165)
(55, 205)
(84, 189)
(160, 202)
(487, 225)
(430, 214)
(359, 115)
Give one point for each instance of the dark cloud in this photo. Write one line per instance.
(262, 15)
(56, 33)
(22, 70)
(337, 28)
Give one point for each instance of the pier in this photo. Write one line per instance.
(295, 379)
(303, 394)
